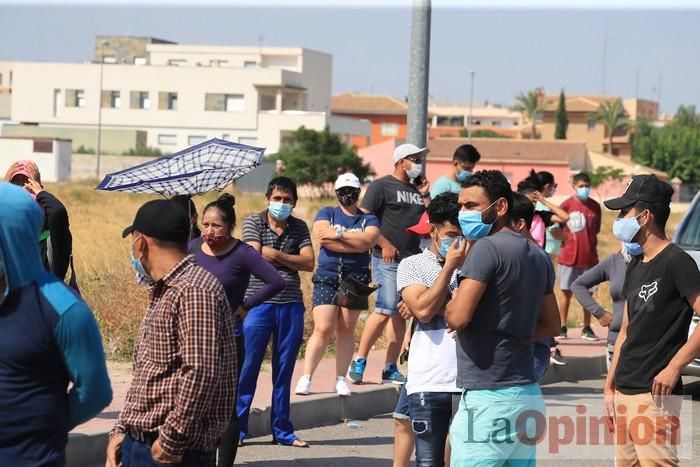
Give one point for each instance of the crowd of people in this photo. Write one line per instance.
(463, 276)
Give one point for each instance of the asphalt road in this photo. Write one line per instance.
(370, 445)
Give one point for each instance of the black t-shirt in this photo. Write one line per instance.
(398, 205)
(659, 317)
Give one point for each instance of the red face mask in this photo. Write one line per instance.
(215, 240)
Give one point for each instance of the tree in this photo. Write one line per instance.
(483, 134)
(531, 106)
(561, 119)
(318, 157)
(604, 173)
(613, 116)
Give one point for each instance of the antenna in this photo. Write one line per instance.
(605, 57)
(636, 83)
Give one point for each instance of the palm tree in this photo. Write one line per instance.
(613, 116)
(531, 106)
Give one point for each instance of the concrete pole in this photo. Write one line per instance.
(418, 74)
(471, 105)
(99, 111)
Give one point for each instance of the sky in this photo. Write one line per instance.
(509, 49)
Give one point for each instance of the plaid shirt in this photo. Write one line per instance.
(185, 371)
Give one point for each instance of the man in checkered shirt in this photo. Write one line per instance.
(183, 389)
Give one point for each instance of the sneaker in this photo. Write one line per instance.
(303, 386)
(341, 387)
(393, 375)
(564, 334)
(556, 358)
(357, 370)
(588, 334)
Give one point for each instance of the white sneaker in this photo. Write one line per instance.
(341, 387)
(303, 386)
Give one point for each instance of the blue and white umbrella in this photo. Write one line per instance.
(204, 167)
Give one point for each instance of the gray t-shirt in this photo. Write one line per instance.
(398, 205)
(495, 349)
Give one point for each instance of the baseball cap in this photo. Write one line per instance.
(163, 220)
(647, 188)
(422, 227)
(402, 151)
(24, 167)
(347, 180)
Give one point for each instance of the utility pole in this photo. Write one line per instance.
(658, 96)
(605, 58)
(471, 105)
(99, 110)
(419, 73)
(636, 83)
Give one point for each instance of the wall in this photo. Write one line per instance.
(576, 131)
(84, 165)
(114, 141)
(54, 166)
(317, 76)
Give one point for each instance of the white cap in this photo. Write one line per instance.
(347, 179)
(404, 150)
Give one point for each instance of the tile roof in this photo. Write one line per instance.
(510, 151)
(577, 103)
(355, 103)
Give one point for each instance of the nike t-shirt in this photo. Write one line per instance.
(659, 317)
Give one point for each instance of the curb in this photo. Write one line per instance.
(87, 449)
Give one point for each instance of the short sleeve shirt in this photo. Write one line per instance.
(495, 349)
(580, 247)
(658, 316)
(295, 237)
(330, 262)
(397, 205)
(444, 184)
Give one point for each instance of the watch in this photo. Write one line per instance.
(338, 234)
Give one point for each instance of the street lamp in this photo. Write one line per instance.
(471, 103)
(99, 109)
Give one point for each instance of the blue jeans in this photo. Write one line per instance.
(541, 352)
(137, 454)
(284, 322)
(384, 274)
(431, 413)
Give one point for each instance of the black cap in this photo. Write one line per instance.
(161, 219)
(645, 188)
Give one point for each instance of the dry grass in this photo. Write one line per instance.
(107, 280)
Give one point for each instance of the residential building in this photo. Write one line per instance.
(170, 96)
(386, 114)
(641, 108)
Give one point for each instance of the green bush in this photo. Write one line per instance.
(83, 150)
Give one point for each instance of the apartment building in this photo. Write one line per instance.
(149, 92)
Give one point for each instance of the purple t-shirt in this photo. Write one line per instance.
(233, 269)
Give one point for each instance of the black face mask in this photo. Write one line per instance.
(347, 198)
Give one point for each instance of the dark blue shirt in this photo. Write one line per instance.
(331, 262)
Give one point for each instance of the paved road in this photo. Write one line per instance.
(371, 444)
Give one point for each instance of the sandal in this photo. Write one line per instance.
(297, 443)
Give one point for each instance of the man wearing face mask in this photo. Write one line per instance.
(52, 367)
(284, 241)
(398, 203)
(662, 288)
(463, 163)
(504, 302)
(183, 390)
(425, 282)
(580, 249)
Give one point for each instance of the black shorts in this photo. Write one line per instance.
(325, 288)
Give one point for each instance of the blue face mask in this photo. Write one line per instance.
(634, 249)
(583, 192)
(280, 211)
(472, 224)
(142, 277)
(625, 229)
(446, 243)
(462, 175)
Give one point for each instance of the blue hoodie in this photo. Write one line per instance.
(48, 339)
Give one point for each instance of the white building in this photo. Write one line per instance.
(486, 116)
(173, 96)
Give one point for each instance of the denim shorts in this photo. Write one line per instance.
(384, 274)
(401, 410)
(431, 414)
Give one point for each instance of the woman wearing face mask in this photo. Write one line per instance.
(546, 213)
(611, 269)
(233, 262)
(346, 235)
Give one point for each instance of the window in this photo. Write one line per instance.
(75, 98)
(226, 136)
(217, 63)
(167, 101)
(224, 102)
(167, 140)
(250, 64)
(176, 62)
(0, 79)
(591, 125)
(192, 140)
(56, 102)
(139, 60)
(114, 100)
(109, 59)
(495, 123)
(43, 145)
(140, 100)
(390, 129)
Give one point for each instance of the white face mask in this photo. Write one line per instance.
(415, 170)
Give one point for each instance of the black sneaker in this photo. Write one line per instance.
(556, 358)
(563, 334)
(588, 334)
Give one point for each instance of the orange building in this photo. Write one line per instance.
(387, 115)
